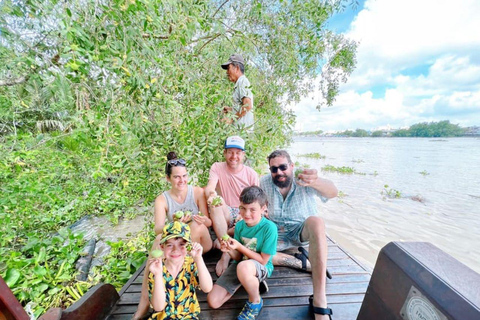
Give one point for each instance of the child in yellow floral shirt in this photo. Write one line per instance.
(174, 277)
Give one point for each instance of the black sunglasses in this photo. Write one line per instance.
(282, 167)
(176, 162)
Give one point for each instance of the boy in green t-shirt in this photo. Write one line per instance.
(253, 246)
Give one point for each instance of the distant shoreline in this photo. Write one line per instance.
(342, 136)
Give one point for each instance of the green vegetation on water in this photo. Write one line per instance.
(391, 193)
(343, 169)
(314, 155)
(98, 93)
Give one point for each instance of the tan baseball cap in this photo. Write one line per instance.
(233, 58)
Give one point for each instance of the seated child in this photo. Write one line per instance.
(253, 246)
(172, 279)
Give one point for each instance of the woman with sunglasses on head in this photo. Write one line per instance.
(181, 197)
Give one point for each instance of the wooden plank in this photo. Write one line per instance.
(275, 292)
(306, 279)
(342, 312)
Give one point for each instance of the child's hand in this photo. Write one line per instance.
(186, 219)
(199, 219)
(224, 245)
(197, 250)
(156, 266)
(232, 244)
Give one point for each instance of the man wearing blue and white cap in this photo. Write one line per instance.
(242, 94)
(228, 179)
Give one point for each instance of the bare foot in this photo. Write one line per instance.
(222, 264)
(216, 244)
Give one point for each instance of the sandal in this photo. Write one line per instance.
(318, 310)
(303, 256)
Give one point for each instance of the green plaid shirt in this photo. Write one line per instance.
(299, 204)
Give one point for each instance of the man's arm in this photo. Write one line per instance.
(310, 178)
(246, 106)
(212, 183)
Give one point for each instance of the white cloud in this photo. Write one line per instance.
(397, 39)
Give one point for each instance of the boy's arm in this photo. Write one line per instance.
(260, 257)
(235, 255)
(204, 277)
(158, 296)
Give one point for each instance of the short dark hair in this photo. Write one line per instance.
(279, 153)
(253, 194)
(240, 65)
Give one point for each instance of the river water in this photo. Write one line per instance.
(438, 181)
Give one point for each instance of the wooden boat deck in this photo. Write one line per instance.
(288, 294)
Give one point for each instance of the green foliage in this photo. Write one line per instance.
(309, 133)
(343, 170)
(360, 133)
(347, 133)
(377, 133)
(314, 155)
(124, 258)
(94, 94)
(401, 133)
(391, 193)
(432, 129)
(424, 173)
(435, 129)
(41, 269)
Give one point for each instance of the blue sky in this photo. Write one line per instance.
(417, 61)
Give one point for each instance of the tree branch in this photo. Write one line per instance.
(12, 82)
(219, 8)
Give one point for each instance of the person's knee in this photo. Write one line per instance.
(315, 223)
(245, 269)
(314, 229)
(213, 299)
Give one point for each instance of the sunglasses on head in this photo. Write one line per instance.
(282, 167)
(176, 162)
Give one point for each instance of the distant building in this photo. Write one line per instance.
(472, 131)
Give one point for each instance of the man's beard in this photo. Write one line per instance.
(282, 184)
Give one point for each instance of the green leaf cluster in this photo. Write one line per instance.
(432, 129)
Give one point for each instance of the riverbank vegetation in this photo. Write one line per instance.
(93, 94)
(424, 129)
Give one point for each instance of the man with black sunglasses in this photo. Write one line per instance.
(292, 206)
